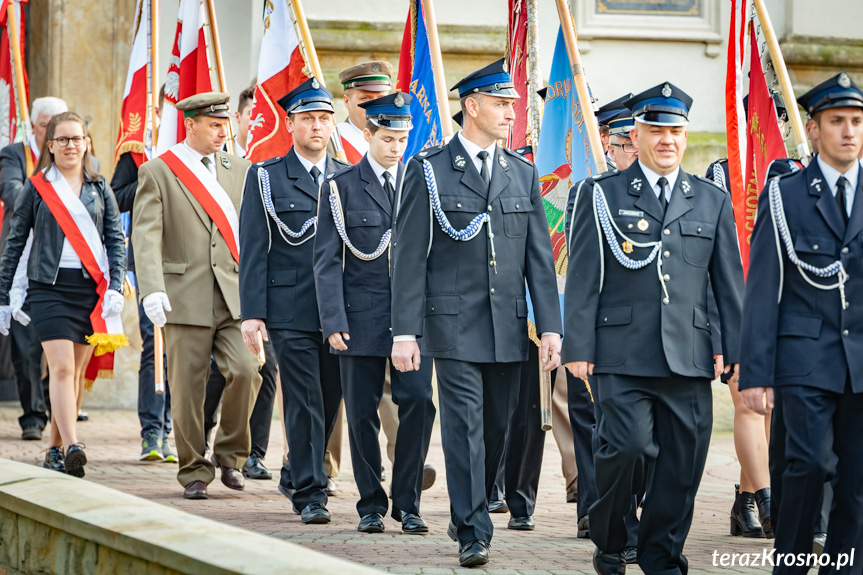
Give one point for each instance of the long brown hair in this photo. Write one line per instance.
(46, 158)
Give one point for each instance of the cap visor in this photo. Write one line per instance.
(313, 107)
(397, 125)
(503, 93)
(370, 87)
(661, 119)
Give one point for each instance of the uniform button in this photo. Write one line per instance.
(666, 231)
(489, 207)
(458, 205)
(629, 227)
(698, 230)
(666, 277)
(845, 250)
(815, 247)
(292, 205)
(491, 291)
(214, 264)
(605, 320)
(666, 254)
(213, 244)
(491, 264)
(364, 220)
(432, 308)
(348, 306)
(845, 333)
(391, 329)
(518, 207)
(665, 301)
(708, 324)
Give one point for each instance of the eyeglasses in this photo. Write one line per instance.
(627, 148)
(64, 141)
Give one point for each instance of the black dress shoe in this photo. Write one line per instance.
(289, 493)
(371, 523)
(451, 531)
(525, 523)
(608, 563)
(583, 528)
(315, 513)
(254, 469)
(31, 433)
(630, 555)
(473, 554)
(196, 490)
(429, 476)
(54, 460)
(497, 506)
(76, 459)
(413, 523)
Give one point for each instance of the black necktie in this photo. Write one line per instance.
(388, 186)
(315, 173)
(841, 183)
(663, 201)
(483, 156)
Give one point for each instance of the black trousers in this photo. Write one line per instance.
(26, 355)
(659, 426)
(819, 424)
(363, 386)
(476, 402)
(583, 419)
(261, 419)
(518, 476)
(311, 394)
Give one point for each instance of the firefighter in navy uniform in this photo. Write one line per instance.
(643, 243)
(802, 348)
(277, 290)
(471, 233)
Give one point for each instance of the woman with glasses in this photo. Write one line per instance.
(75, 269)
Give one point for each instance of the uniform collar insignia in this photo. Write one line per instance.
(501, 161)
(226, 162)
(817, 183)
(684, 185)
(459, 161)
(636, 184)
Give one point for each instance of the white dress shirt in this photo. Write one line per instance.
(653, 180)
(321, 164)
(831, 177)
(472, 151)
(379, 170)
(199, 156)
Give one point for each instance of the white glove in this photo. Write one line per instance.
(112, 305)
(155, 305)
(17, 314)
(5, 319)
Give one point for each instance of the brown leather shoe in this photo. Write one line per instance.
(196, 490)
(233, 479)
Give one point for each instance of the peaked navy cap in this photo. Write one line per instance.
(662, 105)
(307, 97)
(493, 80)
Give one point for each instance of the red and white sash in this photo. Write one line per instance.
(353, 142)
(86, 240)
(208, 191)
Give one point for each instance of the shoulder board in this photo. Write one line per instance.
(338, 173)
(606, 174)
(269, 162)
(515, 154)
(428, 152)
(341, 164)
(707, 181)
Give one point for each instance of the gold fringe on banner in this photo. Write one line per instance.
(107, 342)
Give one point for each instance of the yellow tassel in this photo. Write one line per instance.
(128, 289)
(531, 333)
(88, 384)
(103, 374)
(106, 342)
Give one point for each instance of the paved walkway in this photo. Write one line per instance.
(113, 446)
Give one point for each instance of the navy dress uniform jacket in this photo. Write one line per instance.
(354, 295)
(806, 338)
(447, 291)
(628, 330)
(277, 283)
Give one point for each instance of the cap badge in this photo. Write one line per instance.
(376, 68)
(459, 161)
(636, 184)
(643, 225)
(684, 185)
(627, 246)
(501, 161)
(666, 90)
(505, 66)
(844, 80)
(399, 101)
(315, 84)
(226, 162)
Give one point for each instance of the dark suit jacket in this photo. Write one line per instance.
(124, 182)
(619, 321)
(448, 292)
(357, 299)
(801, 339)
(277, 281)
(12, 179)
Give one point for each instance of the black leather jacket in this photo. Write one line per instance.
(32, 213)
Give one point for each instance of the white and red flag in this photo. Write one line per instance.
(8, 93)
(280, 70)
(735, 118)
(133, 113)
(188, 72)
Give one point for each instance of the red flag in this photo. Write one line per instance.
(188, 72)
(517, 60)
(8, 96)
(764, 144)
(735, 120)
(133, 112)
(280, 70)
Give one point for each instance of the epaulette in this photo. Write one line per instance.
(707, 180)
(429, 152)
(269, 162)
(338, 173)
(605, 174)
(340, 163)
(515, 154)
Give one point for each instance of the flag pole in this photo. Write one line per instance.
(220, 69)
(153, 45)
(784, 82)
(310, 55)
(15, 41)
(590, 123)
(437, 68)
(534, 114)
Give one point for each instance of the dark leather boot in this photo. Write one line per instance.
(743, 519)
(762, 498)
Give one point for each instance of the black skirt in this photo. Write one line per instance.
(62, 310)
